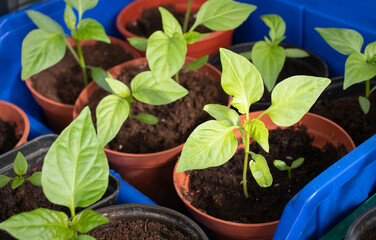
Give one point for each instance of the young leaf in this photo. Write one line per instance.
(345, 41)
(147, 118)
(365, 104)
(20, 164)
(44, 22)
(192, 37)
(75, 169)
(357, 70)
(211, 144)
(370, 52)
(112, 111)
(260, 170)
(139, 43)
(295, 53)
(91, 29)
(81, 5)
(269, 61)
(276, 24)
(281, 165)
(118, 87)
(297, 163)
(227, 116)
(4, 180)
(222, 14)
(70, 18)
(170, 24)
(99, 76)
(258, 132)
(241, 80)
(247, 55)
(293, 97)
(166, 55)
(41, 50)
(17, 181)
(145, 89)
(198, 63)
(35, 179)
(40, 223)
(88, 220)
(84, 237)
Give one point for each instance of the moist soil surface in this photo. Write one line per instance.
(150, 21)
(176, 120)
(147, 229)
(63, 82)
(348, 114)
(8, 137)
(370, 234)
(218, 191)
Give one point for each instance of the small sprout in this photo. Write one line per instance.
(281, 165)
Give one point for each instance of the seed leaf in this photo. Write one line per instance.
(281, 165)
(260, 170)
(297, 163)
(295, 53)
(147, 118)
(365, 104)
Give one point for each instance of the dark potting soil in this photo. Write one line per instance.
(150, 21)
(348, 114)
(63, 82)
(370, 234)
(218, 191)
(8, 137)
(176, 120)
(147, 229)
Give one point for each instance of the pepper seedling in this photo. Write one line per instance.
(74, 174)
(20, 167)
(46, 46)
(359, 67)
(213, 143)
(281, 165)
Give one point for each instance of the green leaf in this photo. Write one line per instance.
(276, 24)
(269, 61)
(82, 5)
(20, 164)
(247, 55)
(45, 22)
(345, 41)
(41, 50)
(198, 63)
(88, 220)
(147, 118)
(84, 237)
(223, 14)
(192, 36)
(75, 170)
(260, 170)
(297, 163)
(38, 224)
(118, 87)
(99, 76)
(295, 53)
(358, 70)
(293, 97)
(4, 180)
(17, 181)
(112, 111)
(258, 132)
(138, 43)
(211, 144)
(35, 179)
(370, 52)
(145, 89)
(70, 18)
(170, 24)
(91, 29)
(281, 165)
(241, 80)
(365, 104)
(226, 115)
(166, 55)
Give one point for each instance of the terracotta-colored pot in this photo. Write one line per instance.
(59, 115)
(11, 113)
(151, 173)
(321, 129)
(206, 46)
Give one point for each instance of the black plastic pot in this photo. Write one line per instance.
(366, 221)
(165, 216)
(34, 152)
(312, 65)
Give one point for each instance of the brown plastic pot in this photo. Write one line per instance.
(150, 173)
(320, 129)
(59, 115)
(11, 113)
(206, 46)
